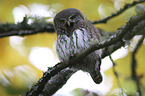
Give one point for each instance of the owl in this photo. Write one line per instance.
(74, 35)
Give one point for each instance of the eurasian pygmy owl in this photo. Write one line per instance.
(74, 35)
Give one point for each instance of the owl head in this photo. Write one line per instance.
(65, 20)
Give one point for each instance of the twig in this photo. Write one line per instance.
(134, 66)
(116, 75)
(119, 12)
(22, 29)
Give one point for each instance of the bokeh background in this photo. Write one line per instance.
(24, 59)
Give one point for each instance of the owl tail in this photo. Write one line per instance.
(97, 77)
(57, 81)
(95, 72)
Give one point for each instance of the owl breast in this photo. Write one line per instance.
(75, 44)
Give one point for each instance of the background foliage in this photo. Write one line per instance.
(17, 71)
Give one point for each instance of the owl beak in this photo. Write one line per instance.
(68, 23)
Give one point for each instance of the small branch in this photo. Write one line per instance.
(116, 75)
(119, 12)
(139, 29)
(26, 32)
(134, 66)
(57, 81)
(23, 28)
(40, 85)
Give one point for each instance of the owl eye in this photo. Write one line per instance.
(72, 18)
(62, 21)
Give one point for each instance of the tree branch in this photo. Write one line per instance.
(127, 6)
(134, 66)
(110, 45)
(23, 28)
(116, 75)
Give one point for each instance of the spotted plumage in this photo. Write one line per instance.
(74, 35)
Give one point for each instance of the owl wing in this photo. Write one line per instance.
(87, 33)
(91, 30)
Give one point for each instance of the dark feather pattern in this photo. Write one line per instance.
(74, 36)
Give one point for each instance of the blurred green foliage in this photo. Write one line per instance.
(17, 74)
